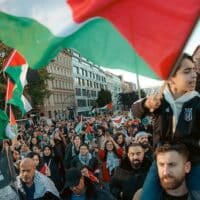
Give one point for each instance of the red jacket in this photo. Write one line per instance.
(102, 156)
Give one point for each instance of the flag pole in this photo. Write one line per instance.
(6, 99)
(138, 86)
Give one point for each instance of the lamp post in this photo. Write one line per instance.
(70, 107)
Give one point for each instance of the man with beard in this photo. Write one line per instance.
(173, 165)
(130, 176)
(143, 138)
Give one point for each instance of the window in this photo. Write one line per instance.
(78, 91)
(81, 102)
(84, 92)
(79, 81)
(83, 82)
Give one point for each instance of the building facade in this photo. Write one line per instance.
(88, 80)
(75, 84)
(114, 85)
(128, 87)
(61, 102)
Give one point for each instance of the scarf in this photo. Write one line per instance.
(74, 151)
(112, 161)
(85, 159)
(42, 185)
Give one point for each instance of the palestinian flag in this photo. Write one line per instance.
(138, 36)
(3, 123)
(117, 119)
(107, 106)
(14, 96)
(11, 128)
(16, 68)
(89, 128)
(79, 126)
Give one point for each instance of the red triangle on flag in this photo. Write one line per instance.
(9, 90)
(12, 118)
(15, 59)
(109, 106)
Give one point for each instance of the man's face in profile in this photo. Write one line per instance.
(172, 168)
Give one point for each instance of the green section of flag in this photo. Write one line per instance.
(11, 131)
(113, 53)
(3, 123)
(14, 72)
(78, 128)
(98, 41)
(16, 98)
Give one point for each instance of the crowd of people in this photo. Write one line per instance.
(114, 159)
(143, 158)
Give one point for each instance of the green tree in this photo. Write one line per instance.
(2, 91)
(37, 88)
(104, 97)
(127, 99)
(5, 52)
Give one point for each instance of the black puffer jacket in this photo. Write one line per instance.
(126, 180)
(187, 129)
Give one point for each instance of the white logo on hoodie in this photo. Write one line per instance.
(188, 114)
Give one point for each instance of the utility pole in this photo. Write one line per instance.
(138, 86)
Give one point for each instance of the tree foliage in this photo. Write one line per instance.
(104, 97)
(5, 52)
(37, 87)
(127, 99)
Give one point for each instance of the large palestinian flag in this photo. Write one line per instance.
(140, 36)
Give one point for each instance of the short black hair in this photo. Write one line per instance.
(135, 144)
(85, 145)
(184, 56)
(177, 146)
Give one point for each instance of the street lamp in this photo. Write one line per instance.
(69, 107)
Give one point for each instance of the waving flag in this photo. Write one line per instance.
(11, 128)
(16, 68)
(14, 96)
(79, 126)
(107, 106)
(3, 123)
(138, 36)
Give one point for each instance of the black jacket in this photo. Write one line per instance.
(187, 129)
(93, 192)
(70, 154)
(126, 180)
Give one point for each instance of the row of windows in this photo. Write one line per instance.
(60, 70)
(63, 59)
(63, 99)
(92, 75)
(84, 92)
(88, 83)
(84, 102)
(60, 84)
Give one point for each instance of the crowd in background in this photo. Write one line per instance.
(98, 149)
